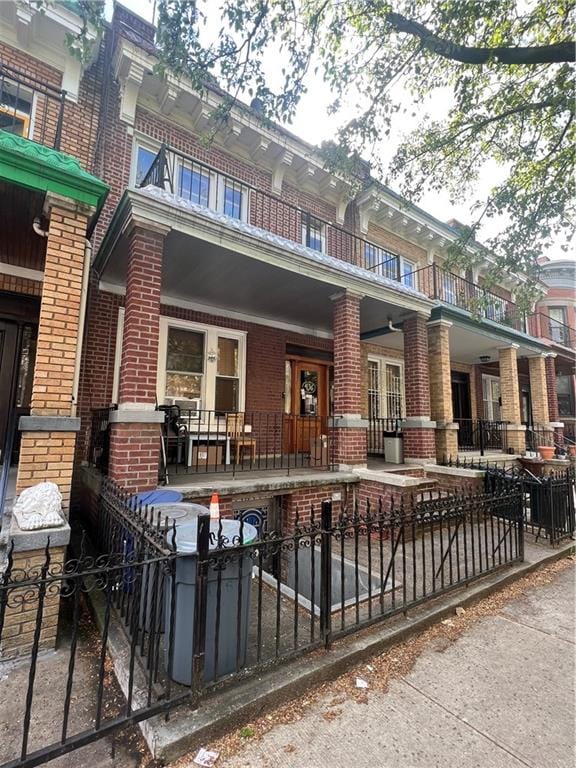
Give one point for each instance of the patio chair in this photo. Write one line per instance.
(239, 440)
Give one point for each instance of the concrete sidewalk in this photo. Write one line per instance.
(500, 696)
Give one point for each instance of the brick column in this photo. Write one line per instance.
(552, 395)
(349, 430)
(441, 389)
(419, 429)
(135, 426)
(49, 433)
(510, 396)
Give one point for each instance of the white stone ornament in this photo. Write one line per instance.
(39, 507)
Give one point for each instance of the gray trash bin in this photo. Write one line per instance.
(233, 582)
(393, 452)
(170, 514)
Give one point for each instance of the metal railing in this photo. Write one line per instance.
(442, 285)
(548, 501)
(31, 108)
(257, 602)
(248, 441)
(537, 435)
(542, 326)
(186, 177)
(481, 435)
(378, 430)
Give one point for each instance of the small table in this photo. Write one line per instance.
(207, 437)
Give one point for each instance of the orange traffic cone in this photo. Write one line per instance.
(214, 507)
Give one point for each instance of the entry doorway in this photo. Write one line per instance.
(307, 403)
(18, 334)
(461, 396)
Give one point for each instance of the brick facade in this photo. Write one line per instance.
(510, 396)
(441, 389)
(539, 389)
(419, 438)
(49, 455)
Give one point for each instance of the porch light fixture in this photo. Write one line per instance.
(212, 356)
(484, 358)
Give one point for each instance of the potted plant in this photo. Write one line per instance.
(546, 452)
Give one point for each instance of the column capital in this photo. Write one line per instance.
(435, 323)
(53, 200)
(512, 345)
(347, 292)
(550, 354)
(537, 356)
(137, 222)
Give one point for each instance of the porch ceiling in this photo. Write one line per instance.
(211, 277)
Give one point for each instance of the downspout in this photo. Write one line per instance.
(83, 300)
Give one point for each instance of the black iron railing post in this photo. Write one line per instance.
(434, 282)
(58, 136)
(326, 573)
(201, 601)
(481, 436)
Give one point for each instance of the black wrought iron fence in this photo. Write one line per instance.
(202, 441)
(548, 502)
(481, 435)
(378, 430)
(188, 609)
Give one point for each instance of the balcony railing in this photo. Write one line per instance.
(187, 178)
(30, 107)
(544, 327)
(445, 286)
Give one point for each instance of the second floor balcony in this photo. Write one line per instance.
(31, 108)
(545, 327)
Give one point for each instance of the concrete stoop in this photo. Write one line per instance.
(228, 708)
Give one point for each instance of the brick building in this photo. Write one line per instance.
(244, 311)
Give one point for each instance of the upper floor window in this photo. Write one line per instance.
(194, 184)
(15, 108)
(407, 272)
(233, 195)
(144, 159)
(557, 324)
(313, 233)
(380, 261)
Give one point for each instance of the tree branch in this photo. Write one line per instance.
(543, 54)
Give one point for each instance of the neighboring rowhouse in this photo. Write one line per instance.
(278, 324)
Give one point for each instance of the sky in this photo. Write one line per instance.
(313, 123)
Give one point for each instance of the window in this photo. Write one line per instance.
(380, 261)
(233, 195)
(144, 159)
(15, 108)
(385, 389)
(227, 381)
(407, 270)
(565, 391)
(557, 324)
(491, 397)
(184, 364)
(194, 184)
(312, 233)
(202, 363)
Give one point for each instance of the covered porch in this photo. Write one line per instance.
(235, 351)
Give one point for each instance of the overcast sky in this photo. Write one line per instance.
(314, 124)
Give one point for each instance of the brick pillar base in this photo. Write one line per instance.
(349, 446)
(516, 438)
(419, 445)
(47, 457)
(134, 455)
(446, 443)
(22, 607)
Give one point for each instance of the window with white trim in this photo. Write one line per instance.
(407, 270)
(201, 363)
(15, 108)
(143, 158)
(385, 389)
(491, 402)
(313, 233)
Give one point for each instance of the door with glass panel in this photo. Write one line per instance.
(306, 406)
(558, 329)
(385, 401)
(491, 397)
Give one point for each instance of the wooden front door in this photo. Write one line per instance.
(309, 405)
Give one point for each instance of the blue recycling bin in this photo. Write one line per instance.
(231, 584)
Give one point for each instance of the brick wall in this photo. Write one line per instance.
(538, 389)
(416, 375)
(397, 244)
(22, 609)
(20, 285)
(347, 358)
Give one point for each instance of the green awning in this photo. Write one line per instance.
(35, 166)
